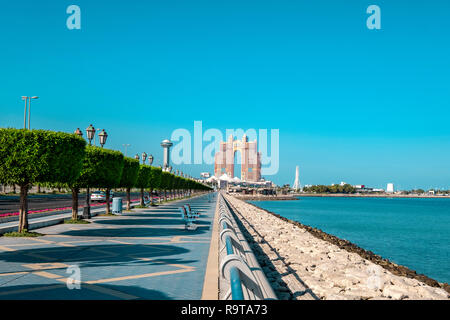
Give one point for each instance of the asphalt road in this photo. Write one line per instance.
(38, 202)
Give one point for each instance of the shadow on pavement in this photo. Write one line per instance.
(135, 232)
(86, 292)
(148, 222)
(95, 255)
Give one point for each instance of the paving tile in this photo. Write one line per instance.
(146, 254)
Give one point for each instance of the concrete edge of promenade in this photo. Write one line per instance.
(281, 248)
(211, 282)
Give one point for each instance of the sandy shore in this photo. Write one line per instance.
(301, 265)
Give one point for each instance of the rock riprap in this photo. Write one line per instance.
(302, 266)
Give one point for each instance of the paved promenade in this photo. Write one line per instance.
(145, 254)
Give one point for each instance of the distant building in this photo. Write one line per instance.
(360, 188)
(390, 188)
(251, 159)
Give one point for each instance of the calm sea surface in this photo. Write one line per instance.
(411, 232)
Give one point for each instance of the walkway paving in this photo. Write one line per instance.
(145, 254)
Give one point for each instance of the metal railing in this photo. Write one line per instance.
(241, 277)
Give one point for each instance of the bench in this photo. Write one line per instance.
(188, 219)
(191, 212)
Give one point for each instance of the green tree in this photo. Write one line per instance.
(32, 156)
(142, 181)
(102, 168)
(154, 181)
(129, 177)
(165, 182)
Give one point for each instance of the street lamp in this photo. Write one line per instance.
(25, 112)
(90, 133)
(79, 133)
(126, 148)
(150, 159)
(103, 136)
(29, 110)
(27, 99)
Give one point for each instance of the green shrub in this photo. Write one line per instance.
(38, 156)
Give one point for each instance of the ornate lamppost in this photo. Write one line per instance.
(102, 137)
(90, 133)
(79, 133)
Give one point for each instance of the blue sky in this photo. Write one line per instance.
(352, 104)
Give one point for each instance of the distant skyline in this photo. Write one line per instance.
(351, 104)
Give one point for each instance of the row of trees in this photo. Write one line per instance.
(63, 160)
(346, 188)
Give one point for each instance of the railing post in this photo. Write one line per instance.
(235, 283)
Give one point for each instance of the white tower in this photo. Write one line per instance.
(296, 185)
(390, 188)
(166, 144)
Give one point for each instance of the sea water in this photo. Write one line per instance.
(410, 232)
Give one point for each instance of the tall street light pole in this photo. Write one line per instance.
(25, 113)
(29, 110)
(27, 101)
(126, 145)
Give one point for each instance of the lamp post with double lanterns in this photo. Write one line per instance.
(90, 133)
(150, 161)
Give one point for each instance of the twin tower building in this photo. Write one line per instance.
(250, 159)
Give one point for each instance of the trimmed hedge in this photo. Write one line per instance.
(43, 156)
(130, 173)
(38, 156)
(102, 168)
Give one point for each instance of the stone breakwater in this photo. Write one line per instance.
(266, 198)
(303, 263)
